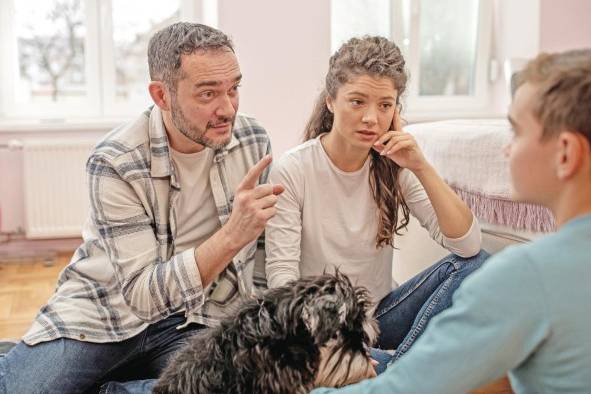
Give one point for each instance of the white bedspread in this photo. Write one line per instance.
(468, 154)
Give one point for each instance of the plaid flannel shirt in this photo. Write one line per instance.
(125, 276)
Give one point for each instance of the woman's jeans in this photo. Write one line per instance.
(404, 313)
(67, 366)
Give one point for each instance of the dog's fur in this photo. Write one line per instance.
(314, 332)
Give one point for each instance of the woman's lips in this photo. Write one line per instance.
(367, 135)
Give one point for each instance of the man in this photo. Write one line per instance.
(177, 205)
(527, 310)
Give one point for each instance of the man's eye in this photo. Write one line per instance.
(356, 102)
(207, 94)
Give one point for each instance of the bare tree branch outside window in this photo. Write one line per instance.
(52, 58)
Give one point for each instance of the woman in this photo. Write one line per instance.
(350, 188)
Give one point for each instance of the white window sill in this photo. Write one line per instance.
(422, 117)
(54, 125)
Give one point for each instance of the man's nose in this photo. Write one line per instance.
(226, 107)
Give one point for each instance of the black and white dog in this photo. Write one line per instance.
(314, 332)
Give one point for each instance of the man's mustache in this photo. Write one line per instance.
(220, 121)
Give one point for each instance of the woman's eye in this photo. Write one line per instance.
(386, 106)
(356, 102)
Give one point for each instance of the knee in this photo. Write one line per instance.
(471, 264)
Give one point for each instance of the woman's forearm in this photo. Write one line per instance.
(453, 215)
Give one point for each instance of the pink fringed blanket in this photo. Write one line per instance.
(469, 155)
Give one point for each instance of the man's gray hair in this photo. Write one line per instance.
(183, 38)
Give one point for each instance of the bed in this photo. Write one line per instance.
(468, 154)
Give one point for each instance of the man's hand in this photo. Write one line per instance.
(253, 206)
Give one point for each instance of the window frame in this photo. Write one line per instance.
(9, 63)
(442, 105)
(99, 66)
(420, 108)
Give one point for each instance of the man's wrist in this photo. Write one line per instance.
(229, 240)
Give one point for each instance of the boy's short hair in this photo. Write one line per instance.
(563, 99)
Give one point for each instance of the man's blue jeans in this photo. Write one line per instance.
(402, 316)
(71, 366)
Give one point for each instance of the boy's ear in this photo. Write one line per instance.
(572, 149)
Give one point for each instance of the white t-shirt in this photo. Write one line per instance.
(195, 209)
(328, 219)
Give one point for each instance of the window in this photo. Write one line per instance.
(446, 44)
(81, 58)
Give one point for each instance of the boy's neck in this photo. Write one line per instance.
(573, 201)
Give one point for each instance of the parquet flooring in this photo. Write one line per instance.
(25, 287)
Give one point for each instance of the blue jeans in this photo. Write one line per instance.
(402, 315)
(71, 366)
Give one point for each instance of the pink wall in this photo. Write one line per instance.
(565, 24)
(283, 48)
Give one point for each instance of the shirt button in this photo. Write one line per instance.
(82, 336)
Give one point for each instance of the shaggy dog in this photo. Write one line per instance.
(314, 332)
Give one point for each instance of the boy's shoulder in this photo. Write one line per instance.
(545, 259)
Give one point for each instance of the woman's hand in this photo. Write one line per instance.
(401, 147)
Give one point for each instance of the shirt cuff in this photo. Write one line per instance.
(467, 245)
(191, 287)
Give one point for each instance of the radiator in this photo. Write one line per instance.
(55, 187)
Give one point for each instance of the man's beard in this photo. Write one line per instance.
(193, 133)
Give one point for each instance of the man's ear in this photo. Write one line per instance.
(572, 148)
(160, 95)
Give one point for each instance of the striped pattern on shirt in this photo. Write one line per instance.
(124, 276)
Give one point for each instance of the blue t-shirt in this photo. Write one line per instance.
(526, 311)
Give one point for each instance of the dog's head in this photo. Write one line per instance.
(312, 332)
(333, 316)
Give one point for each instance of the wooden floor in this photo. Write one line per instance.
(25, 286)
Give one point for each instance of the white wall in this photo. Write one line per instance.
(283, 48)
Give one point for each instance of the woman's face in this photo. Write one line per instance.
(363, 110)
